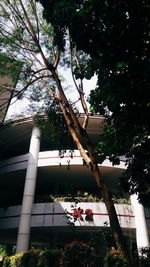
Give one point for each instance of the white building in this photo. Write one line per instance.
(26, 160)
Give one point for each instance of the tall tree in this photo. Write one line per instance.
(26, 36)
(116, 36)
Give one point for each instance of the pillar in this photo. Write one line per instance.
(142, 237)
(29, 193)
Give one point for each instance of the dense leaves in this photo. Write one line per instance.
(54, 128)
(115, 34)
(9, 67)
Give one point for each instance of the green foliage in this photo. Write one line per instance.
(55, 128)
(18, 56)
(115, 36)
(115, 258)
(78, 196)
(6, 249)
(103, 236)
(9, 67)
(144, 258)
(135, 145)
(30, 258)
(78, 254)
(6, 262)
(14, 261)
(34, 258)
(3, 250)
(49, 257)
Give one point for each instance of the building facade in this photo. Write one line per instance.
(9, 74)
(50, 197)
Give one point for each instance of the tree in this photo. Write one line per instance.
(115, 35)
(26, 36)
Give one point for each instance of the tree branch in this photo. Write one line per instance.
(79, 89)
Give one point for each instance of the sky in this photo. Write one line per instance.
(16, 107)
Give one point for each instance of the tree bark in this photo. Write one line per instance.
(114, 223)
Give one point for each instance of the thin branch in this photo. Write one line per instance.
(73, 134)
(57, 57)
(63, 97)
(36, 58)
(79, 88)
(36, 17)
(8, 88)
(45, 84)
(31, 29)
(73, 77)
(20, 93)
(16, 13)
(12, 41)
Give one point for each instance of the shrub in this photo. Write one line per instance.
(30, 258)
(78, 254)
(49, 258)
(144, 258)
(34, 258)
(6, 262)
(6, 249)
(13, 261)
(115, 258)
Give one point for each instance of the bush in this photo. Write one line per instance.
(33, 258)
(144, 258)
(6, 262)
(115, 258)
(49, 258)
(13, 261)
(78, 254)
(6, 249)
(30, 258)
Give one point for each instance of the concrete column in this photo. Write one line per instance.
(142, 237)
(29, 193)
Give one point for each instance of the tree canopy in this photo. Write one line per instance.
(89, 37)
(116, 36)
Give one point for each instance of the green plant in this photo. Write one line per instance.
(6, 250)
(115, 258)
(78, 254)
(79, 196)
(34, 258)
(103, 236)
(30, 258)
(3, 251)
(49, 257)
(144, 258)
(13, 261)
(6, 262)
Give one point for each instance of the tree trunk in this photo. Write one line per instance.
(74, 127)
(114, 223)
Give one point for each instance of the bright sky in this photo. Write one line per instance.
(21, 105)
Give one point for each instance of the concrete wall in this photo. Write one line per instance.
(147, 216)
(13, 164)
(54, 214)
